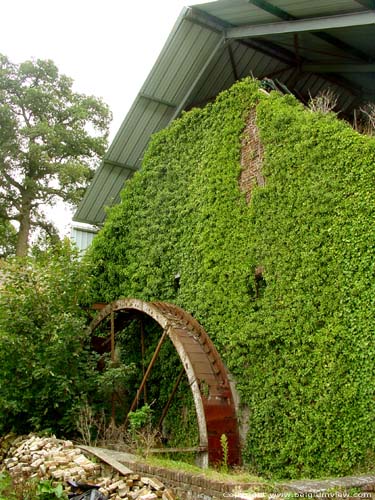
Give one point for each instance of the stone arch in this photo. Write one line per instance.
(206, 373)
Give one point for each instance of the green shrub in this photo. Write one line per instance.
(32, 489)
(46, 368)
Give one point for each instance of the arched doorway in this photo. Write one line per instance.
(206, 373)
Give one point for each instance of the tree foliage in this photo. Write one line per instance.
(8, 237)
(50, 141)
(46, 367)
(302, 350)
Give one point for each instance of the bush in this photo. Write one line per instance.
(46, 367)
(32, 489)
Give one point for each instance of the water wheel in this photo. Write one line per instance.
(204, 369)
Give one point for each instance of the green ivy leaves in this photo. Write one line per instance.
(302, 350)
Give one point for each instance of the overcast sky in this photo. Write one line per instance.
(108, 47)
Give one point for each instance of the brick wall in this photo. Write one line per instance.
(192, 486)
(251, 157)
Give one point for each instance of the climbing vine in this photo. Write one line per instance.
(299, 340)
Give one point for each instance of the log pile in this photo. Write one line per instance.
(60, 461)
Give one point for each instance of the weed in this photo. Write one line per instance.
(29, 490)
(224, 451)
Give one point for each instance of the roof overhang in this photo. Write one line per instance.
(307, 46)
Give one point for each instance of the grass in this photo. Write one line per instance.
(237, 474)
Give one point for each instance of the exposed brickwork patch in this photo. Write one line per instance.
(251, 158)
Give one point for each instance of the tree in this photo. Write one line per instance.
(50, 141)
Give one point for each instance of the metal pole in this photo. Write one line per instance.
(166, 408)
(143, 358)
(149, 368)
(112, 336)
(113, 407)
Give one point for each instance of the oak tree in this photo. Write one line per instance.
(51, 139)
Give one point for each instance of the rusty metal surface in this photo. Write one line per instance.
(207, 375)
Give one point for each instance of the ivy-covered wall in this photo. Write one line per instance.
(300, 340)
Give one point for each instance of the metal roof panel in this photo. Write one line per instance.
(103, 191)
(241, 12)
(195, 65)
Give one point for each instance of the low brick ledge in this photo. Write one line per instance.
(220, 489)
(200, 481)
(366, 483)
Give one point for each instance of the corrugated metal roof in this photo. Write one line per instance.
(103, 192)
(241, 12)
(82, 237)
(198, 61)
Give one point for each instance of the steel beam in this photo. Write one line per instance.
(156, 99)
(369, 4)
(270, 49)
(345, 47)
(112, 163)
(171, 396)
(219, 46)
(338, 68)
(219, 26)
(147, 373)
(205, 20)
(272, 9)
(232, 62)
(302, 25)
(327, 37)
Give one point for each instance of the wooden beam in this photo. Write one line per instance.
(104, 456)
